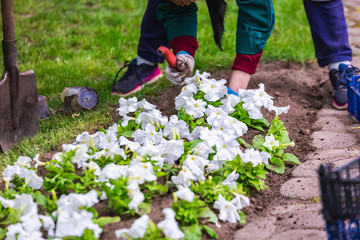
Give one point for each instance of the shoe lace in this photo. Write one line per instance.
(131, 68)
(347, 75)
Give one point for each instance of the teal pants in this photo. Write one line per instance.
(255, 23)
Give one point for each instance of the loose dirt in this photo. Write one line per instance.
(304, 87)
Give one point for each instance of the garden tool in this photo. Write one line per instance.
(19, 109)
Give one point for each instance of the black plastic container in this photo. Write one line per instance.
(340, 190)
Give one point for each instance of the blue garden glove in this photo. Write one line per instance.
(184, 68)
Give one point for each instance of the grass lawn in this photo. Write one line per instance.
(84, 42)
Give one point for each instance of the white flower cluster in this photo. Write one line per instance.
(160, 139)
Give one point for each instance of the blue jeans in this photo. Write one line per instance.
(329, 31)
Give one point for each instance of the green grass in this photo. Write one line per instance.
(84, 42)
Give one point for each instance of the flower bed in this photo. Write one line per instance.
(199, 157)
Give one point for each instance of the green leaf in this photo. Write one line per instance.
(242, 217)
(2, 233)
(39, 198)
(127, 134)
(192, 232)
(258, 141)
(106, 220)
(210, 231)
(289, 157)
(208, 213)
(144, 208)
(244, 143)
(278, 165)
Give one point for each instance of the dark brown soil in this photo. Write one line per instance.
(304, 87)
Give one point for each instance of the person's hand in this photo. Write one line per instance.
(183, 3)
(184, 68)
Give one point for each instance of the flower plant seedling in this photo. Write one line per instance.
(199, 156)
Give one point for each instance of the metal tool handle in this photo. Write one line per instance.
(10, 57)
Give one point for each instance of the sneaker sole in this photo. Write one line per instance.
(343, 107)
(152, 80)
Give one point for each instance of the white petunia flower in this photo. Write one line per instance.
(112, 171)
(239, 127)
(185, 193)
(229, 102)
(16, 231)
(214, 114)
(184, 177)
(169, 226)
(189, 90)
(202, 150)
(257, 96)
(31, 221)
(94, 166)
(148, 134)
(279, 110)
(31, 178)
(265, 157)
(253, 156)
(175, 129)
(213, 89)
(270, 142)
(48, 224)
(153, 117)
(228, 211)
(81, 155)
(195, 108)
(154, 152)
(135, 194)
(146, 105)
(125, 120)
(24, 203)
(231, 179)
(240, 201)
(227, 150)
(10, 171)
(172, 150)
(114, 149)
(109, 138)
(197, 78)
(197, 160)
(210, 137)
(253, 110)
(23, 162)
(73, 201)
(130, 144)
(127, 106)
(137, 230)
(196, 171)
(140, 172)
(75, 223)
(180, 100)
(92, 141)
(214, 165)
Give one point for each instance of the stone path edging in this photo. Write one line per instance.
(296, 213)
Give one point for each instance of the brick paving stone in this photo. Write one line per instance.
(333, 154)
(301, 188)
(306, 216)
(260, 229)
(328, 123)
(332, 112)
(332, 140)
(300, 234)
(307, 169)
(340, 163)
